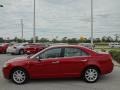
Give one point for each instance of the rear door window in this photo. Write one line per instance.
(70, 52)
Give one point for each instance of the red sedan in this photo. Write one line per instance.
(33, 48)
(59, 62)
(3, 47)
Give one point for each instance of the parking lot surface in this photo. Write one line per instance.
(108, 82)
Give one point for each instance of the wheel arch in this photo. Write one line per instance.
(21, 49)
(18, 67)
(91, 66)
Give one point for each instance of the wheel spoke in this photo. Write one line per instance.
(91, 74)
(19, 76)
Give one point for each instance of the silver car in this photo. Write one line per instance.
(16, 48)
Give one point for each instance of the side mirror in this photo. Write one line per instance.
(38, 58)
(29, 56)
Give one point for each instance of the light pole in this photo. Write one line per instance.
(92, 23)
(34, 19)
(21, 20)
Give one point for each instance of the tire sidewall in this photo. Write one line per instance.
(26, 77)
(21, 52)
(98, 74)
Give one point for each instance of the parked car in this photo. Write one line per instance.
(33, 48)
(3, 47)
(59, 62)
(114, 45)
(16, 48)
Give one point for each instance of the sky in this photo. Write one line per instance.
(61, 18)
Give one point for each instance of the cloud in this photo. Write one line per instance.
(60, 18)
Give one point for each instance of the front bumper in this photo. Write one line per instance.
(6, 72)
(108, 68)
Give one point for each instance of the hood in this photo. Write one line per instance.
(24, 58)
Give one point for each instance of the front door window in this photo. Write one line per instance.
(51, 53)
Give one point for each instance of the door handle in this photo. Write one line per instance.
(55, 62)
(84, 60)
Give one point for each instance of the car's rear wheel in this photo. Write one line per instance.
(19, 76)
(21, 52)
(91, 75)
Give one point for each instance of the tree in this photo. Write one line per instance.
(83, 39)
(73, 40)
(97, 40)
(109, 39)
(64, 40)
(1, 40)
(104, 39)
(44, 40)
(16, 39)
(116, 37)
(54, 40)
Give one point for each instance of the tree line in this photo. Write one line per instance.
(64, 40)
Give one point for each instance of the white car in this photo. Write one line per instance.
(114, 45)
(16, 48)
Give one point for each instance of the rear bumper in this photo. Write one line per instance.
(108, 68)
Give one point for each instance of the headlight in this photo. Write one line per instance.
(5, 65)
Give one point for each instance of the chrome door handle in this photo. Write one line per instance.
(84, 60)
(55, 62)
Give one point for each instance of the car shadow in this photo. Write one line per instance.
(56, 80)
(102, 79)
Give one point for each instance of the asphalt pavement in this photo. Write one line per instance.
(107, 82)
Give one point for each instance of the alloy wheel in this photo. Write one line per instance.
(91, 75)
(19, 76)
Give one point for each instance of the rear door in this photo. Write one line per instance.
(73, 62)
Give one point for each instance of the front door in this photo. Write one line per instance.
(48, 65)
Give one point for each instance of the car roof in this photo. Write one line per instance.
(77, 46)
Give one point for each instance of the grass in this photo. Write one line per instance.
(115, 52)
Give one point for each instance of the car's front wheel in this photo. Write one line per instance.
(91, 75)
(19, 76)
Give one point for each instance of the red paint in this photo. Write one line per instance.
(3, 47)
(32, 49)
(62, 66)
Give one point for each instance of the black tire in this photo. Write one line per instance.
(19, 79)
(21, 52)
(12, 53)
(93, 77)
(4, 52)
